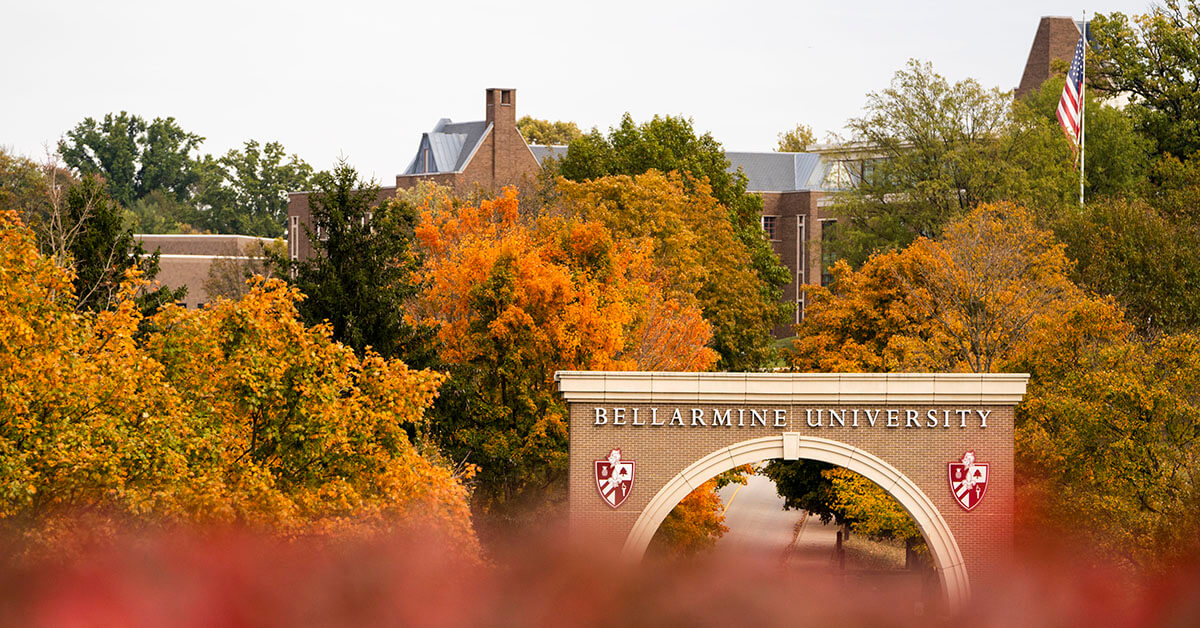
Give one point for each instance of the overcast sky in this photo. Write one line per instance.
(364, 78)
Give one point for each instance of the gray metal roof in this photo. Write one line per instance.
(541, 152)
(779, 172)
(450, 146)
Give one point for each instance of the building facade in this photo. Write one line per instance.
(185, 260)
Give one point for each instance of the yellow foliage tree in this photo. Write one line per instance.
(234, 413)
(868, 508)
(695, 249)
(694, 525)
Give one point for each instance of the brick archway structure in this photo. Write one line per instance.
(902, 431)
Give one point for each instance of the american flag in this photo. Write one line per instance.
(1070, 106)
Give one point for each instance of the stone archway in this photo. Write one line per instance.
(948, 561)
(908, 432)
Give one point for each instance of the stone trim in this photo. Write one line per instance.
(947, 557)
(791, 388)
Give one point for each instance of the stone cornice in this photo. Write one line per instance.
(792, 388)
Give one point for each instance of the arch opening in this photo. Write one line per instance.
(943, 548)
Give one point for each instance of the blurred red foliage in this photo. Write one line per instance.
(229, 578)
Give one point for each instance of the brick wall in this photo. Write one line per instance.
(797, 242)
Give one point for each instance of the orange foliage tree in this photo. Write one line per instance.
(516, 300)
(1108, 436)
(694, 525)
(959, 303)
(234, 413)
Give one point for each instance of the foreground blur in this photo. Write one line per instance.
(224, 578)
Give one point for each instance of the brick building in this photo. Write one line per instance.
(1055, 39)
(490, 153)
(485, 155)
(186, 259)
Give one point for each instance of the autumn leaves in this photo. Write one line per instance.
(236, 413)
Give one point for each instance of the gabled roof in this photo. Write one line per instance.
(450, 146)
(541, 152)
(779, 172)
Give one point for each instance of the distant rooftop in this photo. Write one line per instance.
(766, 171)
(448, 147)
(541, 152)
(779, 172)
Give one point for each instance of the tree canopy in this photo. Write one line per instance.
(514, 301)
(548, 133)
(670, 144)
(237, 412)
(360, 277)
(694, 247)
(796, 140)
(1154, 58)
(134, 156)
(1106, 436)
(245, 191)
(926, 151)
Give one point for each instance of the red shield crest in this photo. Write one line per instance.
(968, 480)
(614, 478)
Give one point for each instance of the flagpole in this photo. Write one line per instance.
(1083, 108)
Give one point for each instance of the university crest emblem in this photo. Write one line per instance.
(614, 478)
(968, 480)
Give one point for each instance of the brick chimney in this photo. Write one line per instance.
(502, 107)
(1055, 39)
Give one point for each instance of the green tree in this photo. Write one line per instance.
(159, 212)
(360, 276)
(1176, 192)
(134, 156)
(1118, 156)
(103, 250)
(78, 226)
(803, 487)
(797, 140)
(670, 144)
(245, 191)
(1155, 58)
(930, 151)
(1147, 260)
(548, 133)
(22, 186)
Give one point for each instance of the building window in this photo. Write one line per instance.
(828, 257)
(294, 238)
(506, 97)
(768, 225)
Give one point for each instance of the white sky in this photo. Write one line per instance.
(364, 78)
